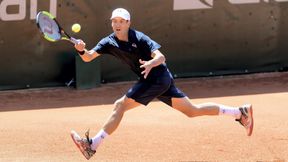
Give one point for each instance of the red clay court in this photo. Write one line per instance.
(36, 123)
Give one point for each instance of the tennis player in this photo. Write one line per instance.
(142, 54)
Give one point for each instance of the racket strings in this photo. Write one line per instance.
(49, 27)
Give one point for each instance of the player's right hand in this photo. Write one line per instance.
(80, 46)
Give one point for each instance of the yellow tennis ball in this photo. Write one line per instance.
(76, 28)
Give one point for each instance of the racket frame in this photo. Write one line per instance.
(64, 35)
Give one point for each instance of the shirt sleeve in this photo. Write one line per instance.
(152, 45)
(101, 47)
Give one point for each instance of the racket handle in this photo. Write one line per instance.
(75, 41)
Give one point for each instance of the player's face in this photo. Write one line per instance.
(120, 26)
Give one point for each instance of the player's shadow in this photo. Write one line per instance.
(106, 94)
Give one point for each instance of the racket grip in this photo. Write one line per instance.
(75, 41)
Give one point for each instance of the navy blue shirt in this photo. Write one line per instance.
(139, 46)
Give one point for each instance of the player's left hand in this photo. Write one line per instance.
(147, 66)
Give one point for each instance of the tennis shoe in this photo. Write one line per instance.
(84, 144)
(246, 118)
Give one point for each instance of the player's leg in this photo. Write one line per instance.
(140, 94)
(243, 114)
(184, 105)
(179, 101)
(88, 146)
(120, 107)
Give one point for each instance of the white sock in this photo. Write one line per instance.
(230, 111)
(97, 140)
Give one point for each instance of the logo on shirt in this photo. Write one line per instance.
(134, 45)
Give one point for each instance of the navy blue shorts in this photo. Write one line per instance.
(162, 88)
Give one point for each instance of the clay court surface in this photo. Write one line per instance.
(35, 124)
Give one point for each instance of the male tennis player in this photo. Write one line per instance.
(144, 58)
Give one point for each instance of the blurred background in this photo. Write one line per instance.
(199, 38)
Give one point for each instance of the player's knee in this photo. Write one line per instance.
(119, 106)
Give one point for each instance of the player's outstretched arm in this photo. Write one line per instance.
(86, 55)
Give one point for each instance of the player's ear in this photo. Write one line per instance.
(128, 22)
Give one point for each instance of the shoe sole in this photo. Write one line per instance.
(252, 121)
(76, 143)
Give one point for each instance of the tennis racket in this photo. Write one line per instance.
(51, 29)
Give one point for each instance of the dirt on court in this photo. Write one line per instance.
(35, 124)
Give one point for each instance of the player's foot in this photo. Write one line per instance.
(246, 118)
(84, 144)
